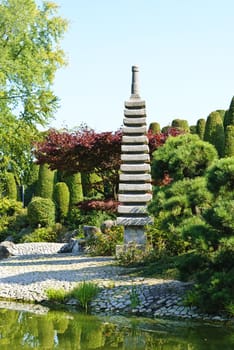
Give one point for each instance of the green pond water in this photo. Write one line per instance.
(72, 331)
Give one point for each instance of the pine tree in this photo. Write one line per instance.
(229, 141)
(214, 132)
(200, 130)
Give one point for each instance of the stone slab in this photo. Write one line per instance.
(135, 139)
(135, 157)
(135, 187)
(135, 177)
(135, 103)
(132, 209)
(134, 121)
(135, 167)
(134, 130)
(135, 148)
(135, 112)
(134, 198)
(136, 221)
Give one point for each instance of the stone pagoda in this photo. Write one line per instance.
(135, 180)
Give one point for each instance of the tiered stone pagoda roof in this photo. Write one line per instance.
(135, 180)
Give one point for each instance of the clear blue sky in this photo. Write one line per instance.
(184, 48)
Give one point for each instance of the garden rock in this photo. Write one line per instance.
(107, 224)
(4, 252)
(90, 231)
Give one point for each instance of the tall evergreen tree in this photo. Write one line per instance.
(229, 141)
(74, 184)
(214, 132)
(229, 115)
(200, 130)
(45, 186)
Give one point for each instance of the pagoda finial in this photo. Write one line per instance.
(135, 82)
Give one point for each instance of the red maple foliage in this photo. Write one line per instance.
(88, 151)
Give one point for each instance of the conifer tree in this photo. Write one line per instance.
(229, 115)
(11, 187)
(229, 141)
(45, 186)
(181, 124)
(74, 184)
(214, 132)
(62, 199)
(200, 128)
(154, 127)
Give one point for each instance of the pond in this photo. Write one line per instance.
(46, 329)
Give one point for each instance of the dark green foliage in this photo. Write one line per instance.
(45, 186)
(92, 185)
(229, 141)
(41, 211)
(62, 200)
(11, 213)
(78, 217)
(200, 128)
(193, 129)
(229, 115)
(75, 188)
(31, 183)
(221, 216)
(222, 113)
(214, 132)
(181, 124)
(182, 156)
(44, 234)
(11, 187)
(154, 127)
(220, 177)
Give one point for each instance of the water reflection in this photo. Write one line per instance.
(72, 331)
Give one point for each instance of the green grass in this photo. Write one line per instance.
(84, 292)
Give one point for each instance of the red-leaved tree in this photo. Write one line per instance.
(87, 151)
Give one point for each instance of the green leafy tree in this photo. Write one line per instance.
(229, 141)
(30, 56)
(200, 128)
(214, 132)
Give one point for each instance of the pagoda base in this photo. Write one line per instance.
(134, 239)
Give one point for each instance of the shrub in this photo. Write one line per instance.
(200, 128)
(41, 211)
(56, 295)
(104, 244)
(45, 185)
(44, 234)
(74, 184)
(78, 217)
(62, 199)
(11, 187)
(214, 132)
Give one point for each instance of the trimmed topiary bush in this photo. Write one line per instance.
(229, 141)
(62, 199)
(31, 184)
(200, 128)
(41, 211)
(181, 124)
(11, 187)
(214, 132)
(45, 185)
(74, 184)
(154, 128)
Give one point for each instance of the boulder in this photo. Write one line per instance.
(4, 252)
(90, 231)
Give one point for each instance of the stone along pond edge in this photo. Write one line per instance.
(119, 292)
